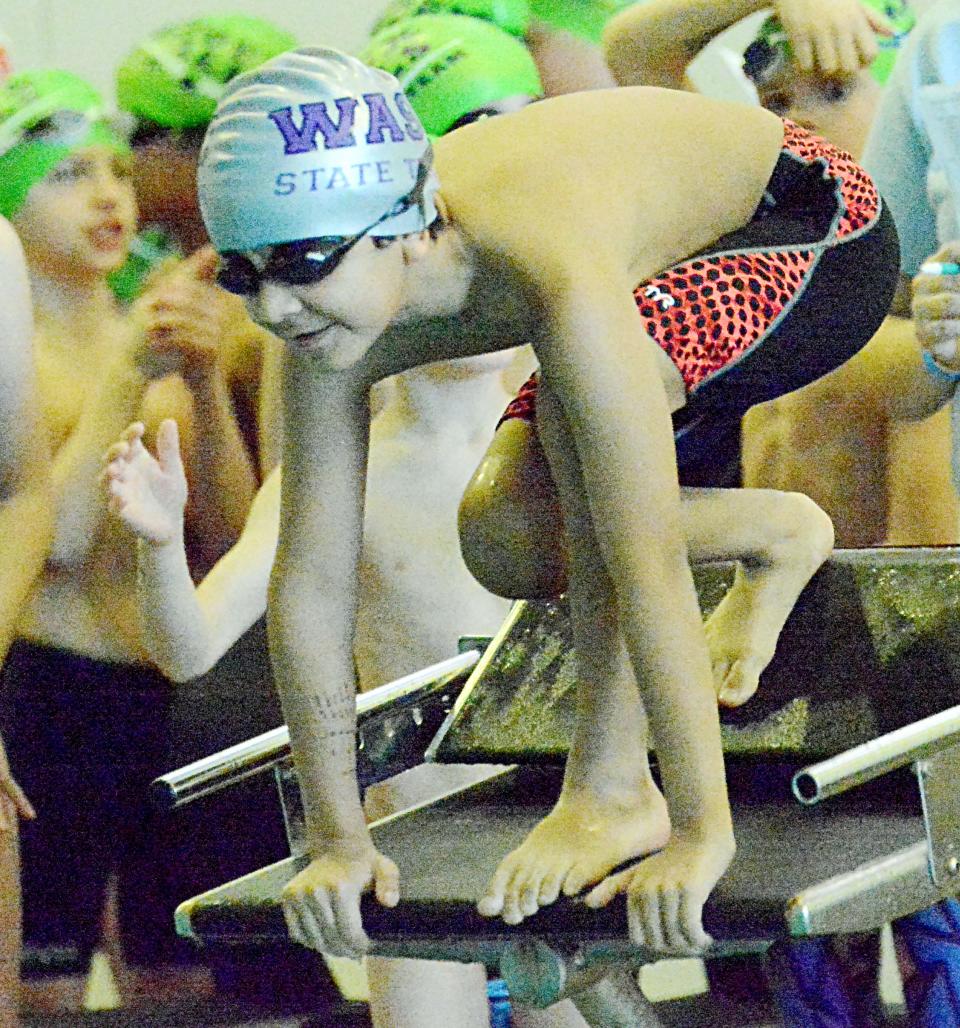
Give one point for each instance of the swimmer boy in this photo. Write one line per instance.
(531, 227)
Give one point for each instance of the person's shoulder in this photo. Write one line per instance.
(14, 286)
(572, 142)
(932, 52)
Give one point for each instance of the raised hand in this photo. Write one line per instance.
(148, 494)
(322, 904)
(182, 318)
(835, 37)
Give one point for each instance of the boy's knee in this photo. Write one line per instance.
(504, 547)
(806, 522)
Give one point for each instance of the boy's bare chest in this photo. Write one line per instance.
(65, 386)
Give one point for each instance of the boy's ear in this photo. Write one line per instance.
(415, 246)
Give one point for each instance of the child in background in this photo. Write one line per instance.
(25, 531)
(842, 440)
(75, 684)
(563, 36)
(169, 84)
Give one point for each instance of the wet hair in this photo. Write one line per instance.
(763, 60)
(146, 132)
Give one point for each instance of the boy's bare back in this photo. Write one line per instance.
(647, 177)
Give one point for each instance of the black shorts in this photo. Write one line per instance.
(85, 738)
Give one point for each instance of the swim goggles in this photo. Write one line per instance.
(308, 261)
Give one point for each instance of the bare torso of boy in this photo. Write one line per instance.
(417, 597)
(89, 607)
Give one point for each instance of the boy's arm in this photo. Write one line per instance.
(894, 364)
(222, 477)
(652, 44)
(193, 318)
(186, 630)
(897, 376)
(26, 521)
(270, 408)
(78, 506)
(21, 434)
(144, 356)
(606, 378)
(234, 594)
(311, 619)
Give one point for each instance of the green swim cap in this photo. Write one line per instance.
(512, 16)
(771, 48)
(450, 66)
(149, 249)
(176, 76)
(44, 117)
(583, 18)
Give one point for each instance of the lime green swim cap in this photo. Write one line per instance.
(771, 48)
(450, 66)
(512, 16)
(583, 18)
(44, 117)
(150, 248)
(176, 76)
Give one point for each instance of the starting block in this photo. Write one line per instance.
(834, 833)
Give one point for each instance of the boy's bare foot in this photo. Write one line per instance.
(739, 647)
(742, 632)
(582, 839)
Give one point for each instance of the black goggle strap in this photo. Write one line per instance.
(414, 198)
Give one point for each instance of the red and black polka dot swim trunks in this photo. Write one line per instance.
(716, 307)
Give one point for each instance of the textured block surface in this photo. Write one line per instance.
(873, 644)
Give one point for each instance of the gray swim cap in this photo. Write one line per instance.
(313, 143)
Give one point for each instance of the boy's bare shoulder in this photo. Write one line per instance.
(13, 268)
(620, 171)
(598, 127)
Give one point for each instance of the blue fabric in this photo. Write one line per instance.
(899, 153)
(501, 1012)
(809, 985)
(932, 938)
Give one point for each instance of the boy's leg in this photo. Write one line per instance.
(510, 523)
(427, 992)
(609, 810)
(779, 540)
(10, 922)
(511, 534)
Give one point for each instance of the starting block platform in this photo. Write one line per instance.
(865, 682)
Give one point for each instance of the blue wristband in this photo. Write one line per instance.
(936, 371)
